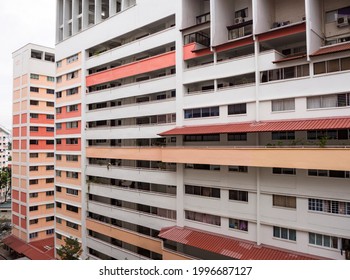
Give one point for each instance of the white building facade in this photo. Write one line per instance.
(179, 122)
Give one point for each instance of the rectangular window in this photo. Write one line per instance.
(50, 155)
(70, 125)
(34, 89)
(238, 168)
(237, 137)
(34, 76)
(49, 219)
(72, 108)
(33, 155)
(323, 240)
(33, 195)
(283, 105)
(285, 171)
(58, 204)
(50, 206)
(33, 182)
(328, 101)
(285, 233)
(72, 157)
(34, 102)
(33, 208)
(50, 231)
(72, 141)
(238, 224)
(50, 142)
(72, 208)
(72, 91)
(202, 112)
(59, 94)
(50, 104)
(58, 157)
(50, 117)
(72, 58)
(203, 218)
(202, 191)
(237, 109)
(285, 201)
(71, 225)
(238, 195)
(202, 138)
(58, 173)
(33, 235)
(58, 189)
(33, 168)
(34, 222)
(283, 135)
(50, 79)
(58, 141)
(72, 191)
(50, 193)
(58, 220)
(70, 174)
(34, 142)
(49, 180)
(329, 206)
(34, 116)
(72, 75)
(34, 128)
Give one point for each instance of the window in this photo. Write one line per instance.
(34, 128)
(328, 101)
(285, 201)
(283, 105)
(237, 137)
(72, 141)
(34, 89)
(50, 193)
(50, 79)
(71, 157)
(33, 195)
(50, 129)
(58, 126)
(323, 240)
(34, 116)
(202, 138)
(72, 75)
(50, 155)
(72, 208)
(58, 189)
(285, 233)
(49, 219)
(33, 235)
(238, 224)
(33, 208)
(34, 102)
(237, 109)
(202, 166)
(58, 157)
(33, 182)
(33, 168)
(58, 204)
(59, 110)
(34, 142)
(202, 191)
(331, 16)
(58, 141)
(329, 206)
(50, 104)
(70, 174)
(59, 94)
(341, 134)
(72, 91)
(283, 135)
(58, 173)
(334, 65)
(285, 171)
(34, 222)
(33, 155)
(238, 168)
(34, 76)
(59, 64)
(202, 112)
(72, 58)
(58, 220)
(203, 218)
(72, 125)
(50, 231)
(50, 142)
(71, 191)
(72, 108)
(50, 206)
(238, 195)
(285, 73)
(241, 13)
(50, 117)
(71, 225)
(49, 180)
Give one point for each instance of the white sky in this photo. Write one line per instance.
(22, 22)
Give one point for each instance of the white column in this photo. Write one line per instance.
(98, 11)
(112, 7)
(85, 13)
(75, 13)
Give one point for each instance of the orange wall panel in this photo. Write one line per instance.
(42, 133)
(23, 210)
(15, 194)
(23, 144)
(42, 119)
(23, 131)
(15, 119)
(65, 115)
(68, 147)
(23, 197)
(189, 51)
(24, 79)
(132, 69)
(23, 223)
(15, 220)
(15, 207)
(16, 95)
(15, 132)
(15, 144)
(64, 130)
(42, 146)
(17, 82)
(24, 118)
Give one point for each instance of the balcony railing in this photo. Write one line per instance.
(240, 30)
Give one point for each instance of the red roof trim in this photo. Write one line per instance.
(263, 126)
(282, 31)
(231, 247)
(332, 49)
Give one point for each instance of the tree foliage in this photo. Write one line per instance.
(71, 250)
(5, 180)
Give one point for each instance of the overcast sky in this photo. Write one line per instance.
(23, 22)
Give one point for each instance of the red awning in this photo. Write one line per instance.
(332, 49)
(28, 250)
(230, 247)
(262, 126)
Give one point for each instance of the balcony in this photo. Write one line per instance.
(240, 30)
(299, 157)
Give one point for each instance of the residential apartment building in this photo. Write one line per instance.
(201, 129)
(33, 148)
(5, 147)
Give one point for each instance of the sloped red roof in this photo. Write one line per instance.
(230, 247)
(30, 251)
(263, 126)
(332, 49)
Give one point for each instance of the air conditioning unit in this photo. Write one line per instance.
(238, 20)
(343, 21)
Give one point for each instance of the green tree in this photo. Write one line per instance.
(5, 181)
(71, 250)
